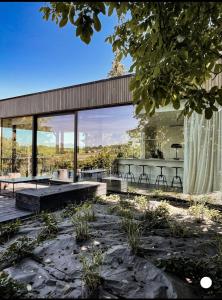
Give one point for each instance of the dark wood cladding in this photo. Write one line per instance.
(108, 92)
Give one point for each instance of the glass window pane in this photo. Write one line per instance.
(55, 146)
(17, 146)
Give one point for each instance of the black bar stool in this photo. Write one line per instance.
(161, 177)
(143, 175)
(177, 178)
(117, 171)
(129, 174)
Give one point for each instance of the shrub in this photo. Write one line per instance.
(157, 192)
(214, 215)
(10, 288)
(142, 202)
(178, 229)
(197, 211)
(86, 211)
(70, 210)
(131, 190)
(122, 212)
(113, 197)
(8, 230)
(50, 229)
(163, 209)
(156, 218)
(81, 228)
(21, 248)
(90, 270)
(133, 231)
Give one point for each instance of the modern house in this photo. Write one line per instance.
(92, 125)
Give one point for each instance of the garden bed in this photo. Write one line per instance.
(118, 246)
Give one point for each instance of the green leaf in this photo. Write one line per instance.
(110, 10)
(79, 30)
(97, 24)
(63, 21)
(71, 15)
(139, 107)
(208, 113)
(176, 104)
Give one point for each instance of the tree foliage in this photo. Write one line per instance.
(175, 48)
(117, 67)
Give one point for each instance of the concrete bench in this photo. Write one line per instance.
(55, 197)
(115, 184)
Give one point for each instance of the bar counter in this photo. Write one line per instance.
(151, 167)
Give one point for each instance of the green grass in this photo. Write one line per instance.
(9, 230)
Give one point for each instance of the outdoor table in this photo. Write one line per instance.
(93, 171)
(14, 181)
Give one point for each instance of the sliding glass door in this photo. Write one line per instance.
(55, 146)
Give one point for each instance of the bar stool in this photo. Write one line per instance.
(117, 171)
(161, 177)
(177, 178)
(143, 175)
(129, 174)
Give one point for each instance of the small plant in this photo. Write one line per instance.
(125, 204)
(88, 212)
(9, 230)
(113, 197)
(156, 218)
(163, 209)
(204, 200)
(197, 210)
(122, 212)
(178, 229)
(90, 270)
(100, 200)
(133, 231)
(81, 228)
(157, 193)
(10, 288)
(131, 190)
(214, 215)
(69, 211)
(50, 229)
(142, 202)
(21, 248)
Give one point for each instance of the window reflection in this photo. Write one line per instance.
(16, 146)
(55, 146)
(106, 134)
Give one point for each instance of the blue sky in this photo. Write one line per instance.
(36, 55)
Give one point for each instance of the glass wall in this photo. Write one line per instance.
(108, 137)
(106, 134)
(163, 136)
(16, 144)
(55, 145)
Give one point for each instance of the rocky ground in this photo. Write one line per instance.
(116, 247)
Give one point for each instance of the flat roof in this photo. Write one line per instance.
(94, 94)
(69, 86)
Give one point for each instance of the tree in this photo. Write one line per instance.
(117, 67)
(175, 48)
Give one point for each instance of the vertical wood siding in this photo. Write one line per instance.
(94, 94)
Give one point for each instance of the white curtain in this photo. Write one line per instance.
(203, 153)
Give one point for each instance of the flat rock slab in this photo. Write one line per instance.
(115, 184)
(55, 197)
